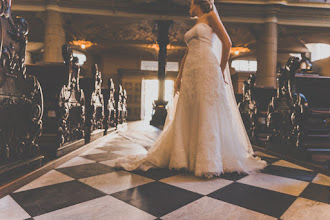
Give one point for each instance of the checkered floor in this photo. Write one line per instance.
(86, 188)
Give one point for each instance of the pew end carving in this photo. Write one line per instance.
(21, 96)
(110, 113)
(121, 105)
(248, 107)
(287, 109)
(94, 103)
(64, 118)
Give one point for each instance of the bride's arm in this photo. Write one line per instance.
(221, 32)
(177, 82)
(181, 66)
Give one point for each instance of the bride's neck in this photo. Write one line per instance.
(200, 15)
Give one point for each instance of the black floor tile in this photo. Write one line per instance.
(86, 170)
(233, 176)
(298, 174)
(257, 199)
(50, 198)
(317, 192)
(102, 156)
(269, 160)
(157, 174)
(157, 198)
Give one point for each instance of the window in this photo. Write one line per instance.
(318, 51)
(153, 65)
(245, 65)
(150, 94)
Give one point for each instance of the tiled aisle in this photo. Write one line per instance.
(86, 188)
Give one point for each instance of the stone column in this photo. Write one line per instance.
(54, 34)
(160, 105)
(267, 52)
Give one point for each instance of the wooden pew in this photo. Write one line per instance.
(94, 105)
(64, 118)
(121, 104)
(110, 120)
(316, 121)
(21, 100)
(253, 107)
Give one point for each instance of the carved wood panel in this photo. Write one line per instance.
(121, 104)
(94, 101)
(21, 98)
(64, 119)
(109, 106)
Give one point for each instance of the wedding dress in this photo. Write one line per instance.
(204, 132)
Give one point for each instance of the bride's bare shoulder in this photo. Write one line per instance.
(213, 20)
(212, 15)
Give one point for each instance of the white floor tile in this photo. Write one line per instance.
(131, 151)
(305, 209)
(93, 151)
(50, 178)
(76, 161)
(322, 179)
(284, 163)
(116, 181)
(106, 208)
(275, 183)
(10, 210)
(210, 209)
(196, 184)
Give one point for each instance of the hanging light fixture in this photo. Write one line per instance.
(239, 50)
(83, 44)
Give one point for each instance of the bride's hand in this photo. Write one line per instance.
(223, 75)
(177, 85)
(224, 79)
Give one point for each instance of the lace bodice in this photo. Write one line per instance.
(202, 68)
(200, 34)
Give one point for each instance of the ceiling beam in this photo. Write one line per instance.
(231, 11)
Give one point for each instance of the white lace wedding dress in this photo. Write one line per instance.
(204, 132)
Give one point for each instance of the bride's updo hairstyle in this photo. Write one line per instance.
(205, 5)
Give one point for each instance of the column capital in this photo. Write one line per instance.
(271, 18)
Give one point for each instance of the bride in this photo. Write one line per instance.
(203, 132)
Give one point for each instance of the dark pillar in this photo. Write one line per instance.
(160, 112)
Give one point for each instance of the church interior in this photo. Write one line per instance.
(85, 82)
